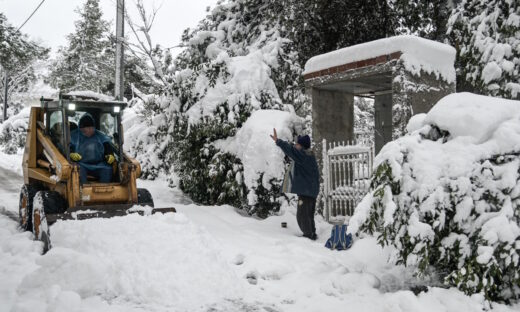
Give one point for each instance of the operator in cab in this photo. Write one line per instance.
(92, 150)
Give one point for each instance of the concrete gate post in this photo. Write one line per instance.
(332, 117)
(382, 119)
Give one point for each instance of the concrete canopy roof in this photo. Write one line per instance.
(361, 85)
(416, 54)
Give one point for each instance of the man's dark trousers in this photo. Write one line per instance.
(305, 216)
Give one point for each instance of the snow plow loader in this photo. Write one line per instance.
(56, 184)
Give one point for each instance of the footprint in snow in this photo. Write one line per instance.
(239, 259)
(252, 277)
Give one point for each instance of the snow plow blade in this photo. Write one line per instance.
(163, 210)
(106, 211)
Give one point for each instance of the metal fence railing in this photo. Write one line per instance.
(347, 168)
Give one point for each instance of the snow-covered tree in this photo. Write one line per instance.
(486, 34)
(427, 18)
(18, 56)
(86, 63)
(236, 61)
(317, 26)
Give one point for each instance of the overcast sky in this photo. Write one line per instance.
(55, 18)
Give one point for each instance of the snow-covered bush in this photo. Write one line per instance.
(487, 36)
(147, 132)
(13, 132)
(237, 61)
(262, 161)
(447, 196)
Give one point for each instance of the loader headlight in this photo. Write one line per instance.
(117, 109)
(72, 106)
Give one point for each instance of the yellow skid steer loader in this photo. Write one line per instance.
(52, 187)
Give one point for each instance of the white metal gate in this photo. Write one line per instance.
(347, 168)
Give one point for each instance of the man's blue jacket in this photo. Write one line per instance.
(303, 177)
(92, 150)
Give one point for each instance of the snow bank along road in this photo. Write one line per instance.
(200, 259)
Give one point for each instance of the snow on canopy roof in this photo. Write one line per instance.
(417, 54)
(92, 94)
(476, 117)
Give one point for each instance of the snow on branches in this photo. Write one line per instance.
(447, 196)
(487, 37)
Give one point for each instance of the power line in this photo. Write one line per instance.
(39, 5)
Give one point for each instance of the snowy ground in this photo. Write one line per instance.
(199, 259)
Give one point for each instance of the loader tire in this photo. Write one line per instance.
(144, 198)
(25, 206)
(52, 202)
(40, 227)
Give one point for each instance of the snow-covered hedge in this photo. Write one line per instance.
(447, 196)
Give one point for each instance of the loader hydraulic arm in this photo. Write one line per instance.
(54, 157)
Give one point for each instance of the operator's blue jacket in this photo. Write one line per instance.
(303, 177)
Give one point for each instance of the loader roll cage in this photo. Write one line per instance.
(63, 113)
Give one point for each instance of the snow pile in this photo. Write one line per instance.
(260, 157)
(205, 258)
(478, 118)
(158, 262)
(448, 195)
(418, 54)
(18, 252)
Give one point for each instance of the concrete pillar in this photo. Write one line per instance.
(332, 118)
(383, 120)
(332, 115)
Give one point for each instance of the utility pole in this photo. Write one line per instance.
(120, 23)
(4, 116)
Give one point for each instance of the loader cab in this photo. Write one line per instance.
(62, 118)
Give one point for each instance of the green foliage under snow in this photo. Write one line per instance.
(487, 37)
(450, 205)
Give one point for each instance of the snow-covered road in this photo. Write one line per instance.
(199, 259)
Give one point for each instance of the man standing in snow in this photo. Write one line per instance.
(303, 179)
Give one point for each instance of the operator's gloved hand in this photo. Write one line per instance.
(75, 156)
(110, 159)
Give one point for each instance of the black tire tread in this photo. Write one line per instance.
(29, 190)
(144, 197)
(53, 202)
(49, 198)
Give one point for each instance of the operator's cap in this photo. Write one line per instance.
(86, 121)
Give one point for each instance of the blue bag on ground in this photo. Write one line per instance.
(339, 239)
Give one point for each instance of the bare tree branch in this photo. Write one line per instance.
(145, 46)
